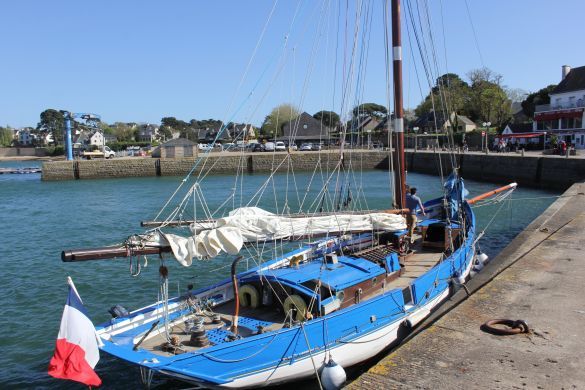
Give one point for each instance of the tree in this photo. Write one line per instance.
(123, 132)
(6, 137)
(106, 129)
(515, 94)
(489, 102)
(52, 121)
(451, 93)
(165, 132)
(327, 118)
(484, 74)
(173, 123)
(280, 115)
(369, 109)
(537, 98)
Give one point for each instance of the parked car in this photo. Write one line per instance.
(316, 147)
(269, 147)
(293, 146)
(257, 148)
(306, 147)
(229, 146)
(204, 147)
(279, 146)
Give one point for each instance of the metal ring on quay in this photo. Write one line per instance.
(513, 327)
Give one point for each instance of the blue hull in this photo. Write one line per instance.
(351, 334)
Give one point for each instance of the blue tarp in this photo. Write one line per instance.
(456, 193)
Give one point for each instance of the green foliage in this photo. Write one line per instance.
(280, 115)
(174, 123)
(119, 146)
(451, 90)
(489, 103)
(165, 132)
(369, 109)
(124, 132)
(6, 137)
(327, 118)
(58, 150)
(534, 99)
(106, 129)
(483, 100)
(205, 124)
(52, 121)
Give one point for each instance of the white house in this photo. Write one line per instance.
(564, 115)
(96, 138)
(25, 136)
(520, 134)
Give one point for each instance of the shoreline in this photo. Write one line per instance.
(32, 158)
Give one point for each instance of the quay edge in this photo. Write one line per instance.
(531, 170)
(538, 278)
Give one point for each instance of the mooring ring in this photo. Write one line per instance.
(513, 327)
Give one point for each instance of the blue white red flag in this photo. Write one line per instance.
(76, 350)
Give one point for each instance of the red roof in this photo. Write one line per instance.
(523, 135)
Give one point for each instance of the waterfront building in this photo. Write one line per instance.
(175, 148)
(563, 117)
(520, 135)
(428, 122)
(304, 128)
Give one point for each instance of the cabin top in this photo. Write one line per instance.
(344, 272)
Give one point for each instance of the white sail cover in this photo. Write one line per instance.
(252, 224)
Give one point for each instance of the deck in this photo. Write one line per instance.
(415, 264)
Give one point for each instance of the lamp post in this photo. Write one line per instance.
(486, 125)
(415, 129)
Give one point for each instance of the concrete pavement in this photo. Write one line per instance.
(539, 278)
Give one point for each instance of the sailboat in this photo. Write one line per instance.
(351, 288)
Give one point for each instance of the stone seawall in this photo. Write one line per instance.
(23, 152)
(534, 171)
(225, 163)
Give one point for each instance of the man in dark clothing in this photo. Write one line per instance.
(412, 202)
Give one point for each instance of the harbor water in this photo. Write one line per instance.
(40, 219)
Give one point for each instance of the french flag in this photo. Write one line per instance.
(76, 350)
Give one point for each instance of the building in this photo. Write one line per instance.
(304, 128)
(433, 122)
(176, 148)
(25, 136)
(521, 135)
(109, 138)
(147, 133)
(243, 132)
(464, 124)
(96, 138)
(563, 117)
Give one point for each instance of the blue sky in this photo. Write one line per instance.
(142, 60)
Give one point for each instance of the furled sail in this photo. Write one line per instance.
(252, 224)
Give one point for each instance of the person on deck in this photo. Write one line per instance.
(412, 202)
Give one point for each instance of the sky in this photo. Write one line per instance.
(139, 61)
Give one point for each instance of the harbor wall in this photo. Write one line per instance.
(534, 171)
(23, 152)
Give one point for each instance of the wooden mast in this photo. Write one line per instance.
(398, 134)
